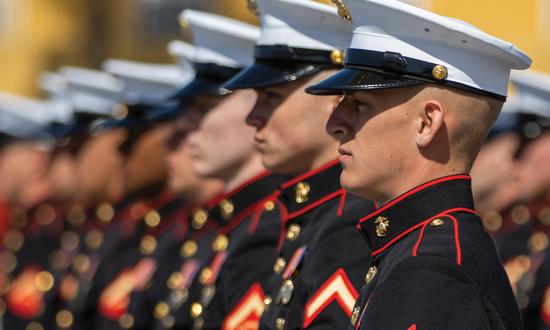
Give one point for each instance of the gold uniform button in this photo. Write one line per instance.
(105, 213)
(196, 310)
(226, 208)
(199, 218)
(126, 321)
(492, 221)
(205, 276)
(34, 326)
(267, 301)
(293, 232)
(220, 243)
(93, 239)
(69, 240)
(279, 265)
(520, 214)
(64, 319)
(8, 262)
(371, 273)
(161, 310)
(280, 323)
(269, 206)
(168, 321)
(81, 263)
(174, 281)
(76, 215)
(198, 323)
(43, 281)
(301, 191)
(152, 219)
(45, 214)
(188, 249)
(544, 215)
(437, 222)
(13, 240)
(355, 315)
(538, 242)
(148, 245)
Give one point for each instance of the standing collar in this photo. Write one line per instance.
(395, 219)
(231, 204)
(311, 189)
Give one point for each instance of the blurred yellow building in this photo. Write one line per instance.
(37, 35)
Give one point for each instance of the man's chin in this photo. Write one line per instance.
(347, 182)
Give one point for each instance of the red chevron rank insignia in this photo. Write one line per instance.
(246, 315)
(338, 287)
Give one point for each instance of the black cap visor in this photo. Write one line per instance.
(352, 79)
(268, 73)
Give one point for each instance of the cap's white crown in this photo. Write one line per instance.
(533, 93)
(92, 91)
(471, 56)
(54, 84)
(23, 116)
(145, 82)
(184, 53)
(302, 24)
(221, 40)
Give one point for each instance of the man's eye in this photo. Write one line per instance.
(272, 95)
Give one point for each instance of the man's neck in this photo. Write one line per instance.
(252, 167)
(418, 176)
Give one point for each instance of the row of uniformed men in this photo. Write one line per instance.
(234, 246)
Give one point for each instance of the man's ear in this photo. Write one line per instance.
(429, 122)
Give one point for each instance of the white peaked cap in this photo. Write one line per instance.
(145, 82)
(92, 91)
(221, 40)
(24, 117)
(532, 93)
(393, 37)
(54, 84)
(302, 24)
(471, 56)
(185, 54)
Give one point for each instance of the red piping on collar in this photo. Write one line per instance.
(237, 219)
(309, 174)
(214, 201)
(342, 204)
(412, 192)
(258, 214)
(398, 237)
(315, 204)
(247, 183)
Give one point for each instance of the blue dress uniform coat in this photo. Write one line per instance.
(322, 259)
(433, 267)
(181, 288)
(245, 249)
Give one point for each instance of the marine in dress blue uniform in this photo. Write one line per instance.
(434, 267)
